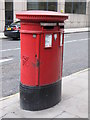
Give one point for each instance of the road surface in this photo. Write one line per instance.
(75, 59)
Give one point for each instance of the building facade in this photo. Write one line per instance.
(77, 11)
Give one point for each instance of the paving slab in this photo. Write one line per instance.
(76, 30)
(74, 103)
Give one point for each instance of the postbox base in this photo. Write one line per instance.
(40, 97)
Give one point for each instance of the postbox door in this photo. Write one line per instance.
(29, 59)
(50, 53)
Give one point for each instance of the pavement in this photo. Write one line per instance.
(70, 30)
(74, 103)
(76, 30)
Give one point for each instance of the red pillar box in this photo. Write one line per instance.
(42, 41)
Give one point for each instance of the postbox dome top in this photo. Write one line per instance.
(41, 16)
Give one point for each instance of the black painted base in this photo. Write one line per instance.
(40, 97)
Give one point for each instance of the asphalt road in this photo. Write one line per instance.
(75, 59)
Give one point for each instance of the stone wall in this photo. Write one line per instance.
(2, 15)
(75, 20)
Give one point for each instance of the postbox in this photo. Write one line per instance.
(42, 41)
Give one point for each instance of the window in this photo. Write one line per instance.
(16, 23)
(32, 6)
(8, 12)
(75, 7)
(36, 5)
(52, 6)
(68, 7)
(82, 8)
(42, 6)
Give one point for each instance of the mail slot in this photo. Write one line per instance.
(42, 42)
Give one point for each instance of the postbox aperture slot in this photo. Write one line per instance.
(48, 27)
(48, 40)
